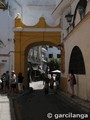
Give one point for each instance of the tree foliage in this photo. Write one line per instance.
(54, 64)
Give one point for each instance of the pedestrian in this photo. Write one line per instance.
(7, 81)
(4, 82)
(57, 79)
(13, 82)
(46, 85)
(71, 78)
(43, 78)
(51, 82)
(0, 84)
(20, 81)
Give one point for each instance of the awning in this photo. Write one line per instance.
(56, 71)
(35, 68)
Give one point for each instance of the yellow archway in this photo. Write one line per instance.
(28, 36)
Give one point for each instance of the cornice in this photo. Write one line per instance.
(38, 29)
(61, 7)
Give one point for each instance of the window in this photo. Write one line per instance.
(58, 55)
(76, 62)
(82, 4)
(50, 46)
(50, 55)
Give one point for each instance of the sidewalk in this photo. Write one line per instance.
(85, 105)
(6, 107)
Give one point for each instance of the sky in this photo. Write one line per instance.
(31, 10)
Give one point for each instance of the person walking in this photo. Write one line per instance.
(46, 85)
(57, 79)
(72, 80)
(13, 82)
(20, 81)
(51, 82)
(7, 81)
(4, 82)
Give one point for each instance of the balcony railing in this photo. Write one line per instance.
(3, 5)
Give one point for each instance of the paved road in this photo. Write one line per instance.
(38, 106)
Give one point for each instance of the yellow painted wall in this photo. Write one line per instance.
(25, 39)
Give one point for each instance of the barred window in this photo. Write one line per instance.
(50, 55)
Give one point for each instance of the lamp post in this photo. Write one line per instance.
(69, 20)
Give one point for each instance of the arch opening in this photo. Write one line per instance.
(40, 56)
(76, 62)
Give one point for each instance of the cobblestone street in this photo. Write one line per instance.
(38, 106)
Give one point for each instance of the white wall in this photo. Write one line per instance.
(53, 51)
(80, 37)
(7, 36)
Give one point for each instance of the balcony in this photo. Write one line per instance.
(3, 5)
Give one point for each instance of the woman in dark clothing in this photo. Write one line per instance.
(20, 81)
(46, 86)
(51, 82)
(71, 78)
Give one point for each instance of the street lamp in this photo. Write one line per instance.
(69, 18)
